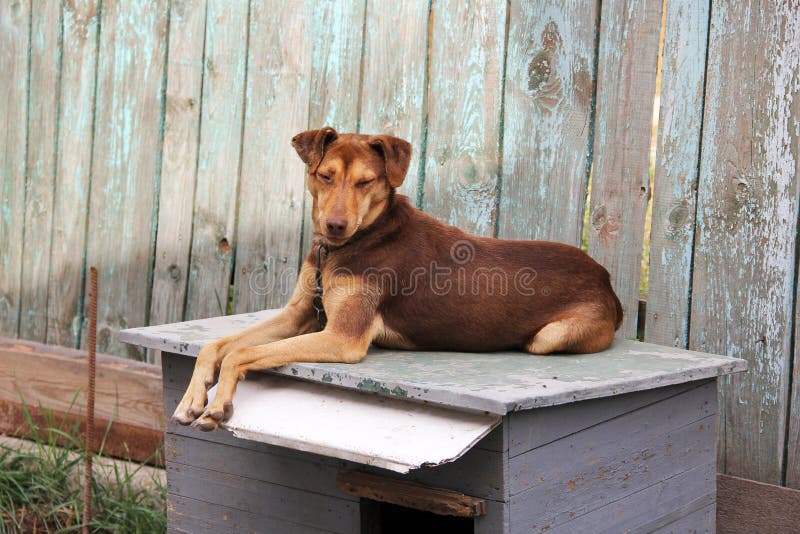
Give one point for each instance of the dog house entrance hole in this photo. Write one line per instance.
(384, 518)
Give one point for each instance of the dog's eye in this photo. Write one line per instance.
(364, 183)
(324, 178)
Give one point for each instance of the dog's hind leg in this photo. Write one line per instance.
(580, 331)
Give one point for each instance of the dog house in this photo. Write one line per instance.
(622, 440)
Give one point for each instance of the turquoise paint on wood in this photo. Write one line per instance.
(73, 164)
(394, 86)
(676, 172)
(744, 267)
(338, 31)
(464, 97)
(547, 120)
(14, 40)
(214, 227)
(124, 167)
(272, 185)
(626, 75)
(43, 105)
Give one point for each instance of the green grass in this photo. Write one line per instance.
(41, 489)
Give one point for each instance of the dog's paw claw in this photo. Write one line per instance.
(206, 424)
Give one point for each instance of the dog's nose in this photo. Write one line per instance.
(336, 226)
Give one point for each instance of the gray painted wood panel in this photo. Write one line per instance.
(626, 75)
(195, 516)
(534, 428)
(744, 266)
(45, 53)
(547, 119)
(254, 496)
(703, 520)
(618, 458)
(497, 382)
(689, 494)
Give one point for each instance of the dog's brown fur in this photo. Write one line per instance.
(398, 278)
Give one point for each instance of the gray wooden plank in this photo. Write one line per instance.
(658, 441)
(214, 219)
(534, 428)
(496, 382)
(394, 84)
(676, 172)
(793, 440)
(191, 515)
(464, 96)
(125, 165)
(73, 165)
(42, 123)
(744, 266)
(272, 181)
(496, 519)
(269, 464)
(702, 520)
(338, 31)
(626, 74)
(179, 160)
(271, 500)
(682, 500)
(479, 473)
(549, 92)
(14, 64)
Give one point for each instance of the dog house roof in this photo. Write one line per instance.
(495, 383)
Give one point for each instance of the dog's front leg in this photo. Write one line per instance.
(294, 319)
(352, 322)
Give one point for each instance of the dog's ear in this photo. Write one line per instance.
(311, 145)
(396, 155)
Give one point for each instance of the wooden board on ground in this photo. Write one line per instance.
(676, 173)
(745, 506)
(626, 75)
(272, 182)
(547, 120)
(744, 269)
(464, 95)
(179, 160)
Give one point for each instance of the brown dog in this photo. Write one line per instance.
(393, 276)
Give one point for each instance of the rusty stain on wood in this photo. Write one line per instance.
(410, 494)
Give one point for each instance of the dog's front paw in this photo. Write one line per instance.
(190, 408)
(213, 416)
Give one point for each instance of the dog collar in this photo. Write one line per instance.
(316, 302)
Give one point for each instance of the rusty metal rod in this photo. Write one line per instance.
(89, 434)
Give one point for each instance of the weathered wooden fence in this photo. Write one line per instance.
(151, 139)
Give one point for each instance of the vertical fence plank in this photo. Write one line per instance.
(124, 165)
(675, 183)
(14, 36)
(272, 185)
(179, 160)
(42, 111)
(547, 120)
(218, 163)
(626, 75)
(73, 163)
(338, 31)
(743, 280)
(393, 90)
(464, 99)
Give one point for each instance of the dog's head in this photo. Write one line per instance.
(350, 177)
